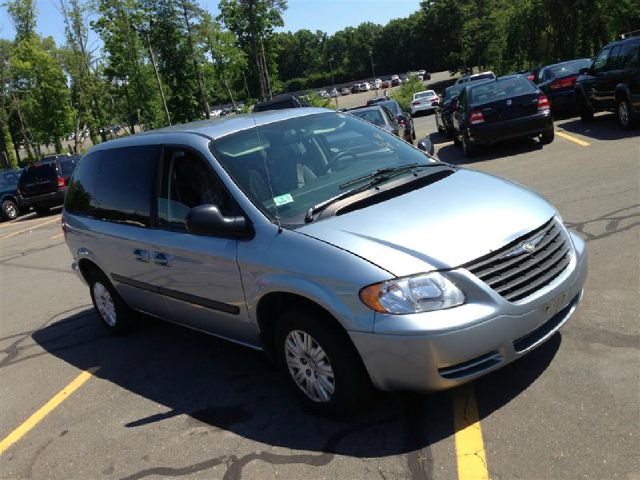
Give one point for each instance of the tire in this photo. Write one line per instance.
(9, 210)
(467, 149)
(547, 136)
(457, 141)
(113, 313)
(42, 210)
(584, 110)
(624, 114)
(346, 384)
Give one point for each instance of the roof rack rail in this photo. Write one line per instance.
(634, 33)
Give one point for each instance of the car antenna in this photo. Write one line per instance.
(266, 168)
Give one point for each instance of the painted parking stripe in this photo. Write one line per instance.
(56, 236)
(13, 234)
(573, 139)
(472, 462)
(45, 410)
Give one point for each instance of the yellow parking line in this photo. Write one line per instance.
(573, 139)
(30, 228)
(56, 236)
(472, 462)
(47, 408)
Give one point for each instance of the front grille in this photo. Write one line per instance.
(516, 273)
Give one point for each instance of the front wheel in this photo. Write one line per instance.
(9, 210)
(624, 113)
(321, 362)
(547, 137)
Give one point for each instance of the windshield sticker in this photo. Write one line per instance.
(283, 199)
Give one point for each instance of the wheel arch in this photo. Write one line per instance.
(621, 92)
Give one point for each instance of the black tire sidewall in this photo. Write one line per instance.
(630, 123)
(351, 380)
(124, 318)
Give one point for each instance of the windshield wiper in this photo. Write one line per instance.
(383, 174)
(374, 178)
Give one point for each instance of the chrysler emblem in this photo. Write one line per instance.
(528, 247)
(509, 102)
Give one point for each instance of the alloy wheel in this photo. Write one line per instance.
(104, 304)
(623, 113)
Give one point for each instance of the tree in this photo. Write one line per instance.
(253, 22)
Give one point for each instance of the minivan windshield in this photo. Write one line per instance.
(285, 168)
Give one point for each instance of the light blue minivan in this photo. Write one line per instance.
(350, 257)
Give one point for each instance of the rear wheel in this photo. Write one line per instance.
(468, 149)
(457, 138)
(9, 210)
(321, 362)
(115, 315)
(547, 137)
(624, 113)
(42, 210)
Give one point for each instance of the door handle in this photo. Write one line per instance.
(141, 255)
(162, 259)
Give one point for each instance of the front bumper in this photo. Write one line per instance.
(439, 350)
(514, 128)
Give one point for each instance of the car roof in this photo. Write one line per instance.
(566, 62)
(366, 109)
(216, 127)
(634, 39)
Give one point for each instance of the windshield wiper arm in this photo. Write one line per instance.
(322, 205)
(384, 173)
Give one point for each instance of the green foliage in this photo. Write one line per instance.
(314, 100)
(404, 94)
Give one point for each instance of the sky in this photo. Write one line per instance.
(326, 15)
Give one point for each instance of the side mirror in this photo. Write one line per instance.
(402, 117)
(207, 220)
(584, 71)
(426, 146)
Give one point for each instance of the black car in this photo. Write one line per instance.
(507, 107)
(42, 185)
(379, 116)
(403, 118)
(612, 83)
(557, 82)
(9, 194)
(279, 102)
(444, 111)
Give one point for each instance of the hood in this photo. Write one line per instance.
(443, 225)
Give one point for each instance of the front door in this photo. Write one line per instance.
(197, 275)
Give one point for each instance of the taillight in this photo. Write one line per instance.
(543, 103)
(563, 82)
(416, 102)
(61, 182)
(531, 77)
(401, 123)
(476, 117)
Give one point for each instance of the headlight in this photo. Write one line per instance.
(420, 293)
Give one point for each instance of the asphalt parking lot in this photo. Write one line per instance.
(163, 402)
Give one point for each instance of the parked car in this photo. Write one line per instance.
(403, 118)
(376, 84)
(444, 110)
(476, 76)
(495, 110)
(424, 102)
(345, 91)
(42, 185)
(380, 117)
(386, 84)
(612, 83)
(334, 93)
(355, 88)
(557, 82)
(364, 87)
(336, 248)
(426, 76)
(279, 102)
(9, 199)
(395, 80)
(375, 101)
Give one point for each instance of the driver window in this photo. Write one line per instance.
(187, 181)
(600, 63)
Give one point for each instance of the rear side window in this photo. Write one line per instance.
(615, 58)
(125, 181)
(632, 56)
(67, 166)
(371, 116)
(80, 196)
(38, 173)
